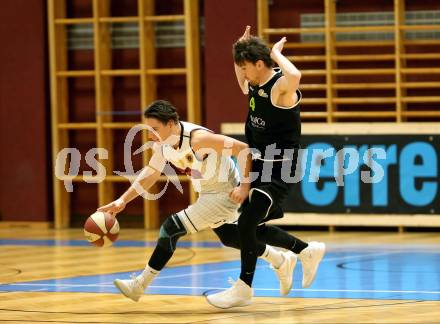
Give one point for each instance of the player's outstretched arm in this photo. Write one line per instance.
(144, 181)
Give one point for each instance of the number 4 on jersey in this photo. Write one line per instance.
(252, 104)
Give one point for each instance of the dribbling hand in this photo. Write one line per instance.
(114, 207)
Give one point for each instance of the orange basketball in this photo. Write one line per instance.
(101, 229)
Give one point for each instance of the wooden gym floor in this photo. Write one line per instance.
(49, 276)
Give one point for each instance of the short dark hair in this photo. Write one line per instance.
(163, 111)
(252, 50)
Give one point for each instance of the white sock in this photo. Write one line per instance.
(273, 256)
(147, 275)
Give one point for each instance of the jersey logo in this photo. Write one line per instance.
(258, 122)
(263, 94)
(189, 158)
(252, 104)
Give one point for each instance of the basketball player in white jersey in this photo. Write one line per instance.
(206, 158)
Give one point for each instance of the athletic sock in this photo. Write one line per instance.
(147, 275)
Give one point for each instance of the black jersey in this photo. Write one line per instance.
(268, 124)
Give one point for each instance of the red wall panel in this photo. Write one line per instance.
(23, 112)
(225, 22)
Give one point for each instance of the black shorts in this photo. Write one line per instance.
(270, 182)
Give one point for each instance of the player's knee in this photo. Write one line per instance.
(246, 224)
(170, 232)
(254, 212)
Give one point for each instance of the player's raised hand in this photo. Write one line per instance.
(247, 34)
(278, 46)
(114, 207)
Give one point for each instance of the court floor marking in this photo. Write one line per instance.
(190, 274)
(101, 283)
(367, 291)
(206, 244)
(267, 266)
(202, 287)
(110, 284)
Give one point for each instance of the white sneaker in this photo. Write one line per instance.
(310, 258)
(240, 294)
(133, 288)
(285, 272)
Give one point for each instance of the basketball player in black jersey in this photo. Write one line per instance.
(273, 130)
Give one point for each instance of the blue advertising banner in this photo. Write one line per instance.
(392, 174)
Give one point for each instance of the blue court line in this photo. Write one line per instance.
(376, 274)
(212, 244)
(50, 242)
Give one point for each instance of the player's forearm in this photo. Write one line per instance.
(244, 162)
(287, 67)
(240, 79)
(145, 180)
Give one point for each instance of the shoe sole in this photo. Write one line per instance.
(122, 290)
(316, 270)
(247, 303)
(291, 269)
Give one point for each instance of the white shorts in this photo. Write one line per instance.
(211, 210)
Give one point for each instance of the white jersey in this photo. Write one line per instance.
(209, 171)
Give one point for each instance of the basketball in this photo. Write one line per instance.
(101, 229)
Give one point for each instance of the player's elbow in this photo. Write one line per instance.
(294, 75)
(240, 148)
(244, 146)
(293, 80)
